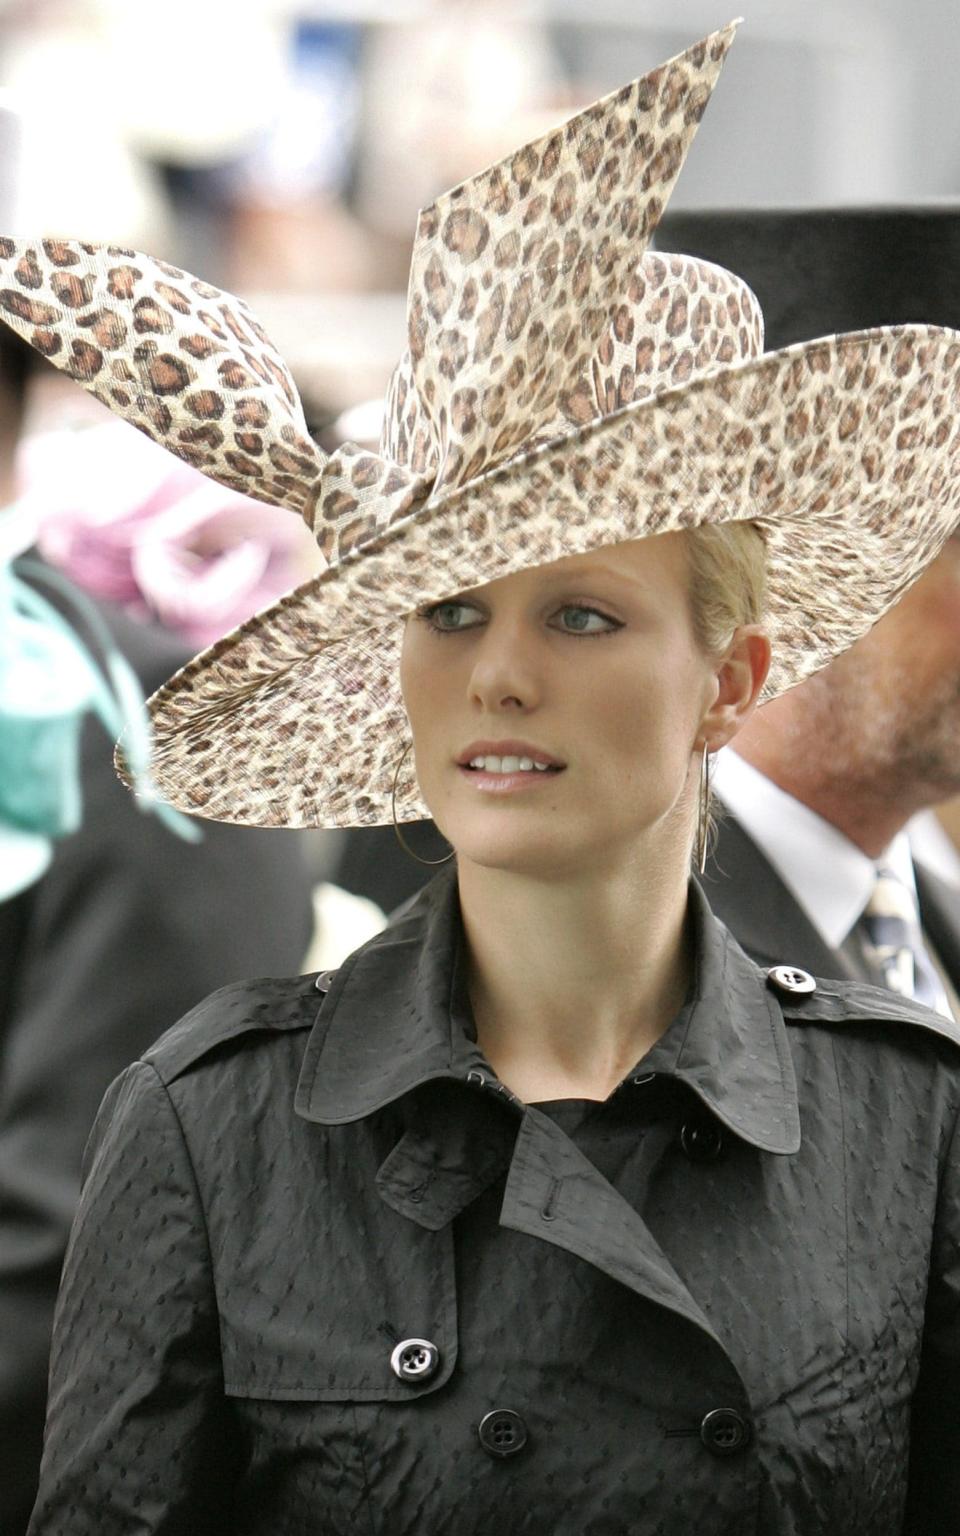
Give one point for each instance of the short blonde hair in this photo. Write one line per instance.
(728, 570)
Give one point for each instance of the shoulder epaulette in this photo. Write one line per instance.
(243, 1007)
(807, 1000)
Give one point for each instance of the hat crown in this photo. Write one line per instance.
(677, 319)
(516, 278)
(516, 273)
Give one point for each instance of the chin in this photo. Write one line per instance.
(539, 854)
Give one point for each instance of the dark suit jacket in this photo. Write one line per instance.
(749, 896)
(129, 928)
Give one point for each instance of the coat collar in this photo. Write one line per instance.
(397, 1016)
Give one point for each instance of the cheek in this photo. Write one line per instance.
(928, 654)
(645, 712)
(416, 676)
(428, 687)
(921, 636)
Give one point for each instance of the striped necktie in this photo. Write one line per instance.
(893, 943)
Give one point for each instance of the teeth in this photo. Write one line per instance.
(509, 765)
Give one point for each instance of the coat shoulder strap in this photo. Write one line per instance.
(268, 1006)
(854, 1002)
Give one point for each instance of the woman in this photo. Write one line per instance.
(553, 1212)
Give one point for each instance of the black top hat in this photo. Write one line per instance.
(820, 271)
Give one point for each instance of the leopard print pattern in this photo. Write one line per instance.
(677, 317)
(513, 280)
(845, 452)
(187, 364)
(515, 274)
(647, 407)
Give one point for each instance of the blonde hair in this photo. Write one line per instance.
(728, 569)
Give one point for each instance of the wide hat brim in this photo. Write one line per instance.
(845, 453)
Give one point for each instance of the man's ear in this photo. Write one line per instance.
(741, 673)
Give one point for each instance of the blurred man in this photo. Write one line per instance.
(128, 928)
(813, 864)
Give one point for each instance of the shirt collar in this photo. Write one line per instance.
(830, 877)
(397, 1016)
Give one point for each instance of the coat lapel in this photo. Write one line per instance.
(457, 1143)
(940, 916)
(395, 1033)
(556, 1194)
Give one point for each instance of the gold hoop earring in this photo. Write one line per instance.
(703, 811)
(396, 828)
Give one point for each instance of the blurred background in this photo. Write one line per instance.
(282, 149)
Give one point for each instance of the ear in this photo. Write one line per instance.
(740, 675)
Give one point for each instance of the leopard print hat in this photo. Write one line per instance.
(562, 389)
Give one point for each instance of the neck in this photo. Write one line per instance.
(868, 813)
(572, 983)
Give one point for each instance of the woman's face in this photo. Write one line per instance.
(589, 666)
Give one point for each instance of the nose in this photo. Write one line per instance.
(504, 674)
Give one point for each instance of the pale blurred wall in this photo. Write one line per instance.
(820, 101)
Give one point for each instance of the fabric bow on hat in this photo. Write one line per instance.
(562, 389)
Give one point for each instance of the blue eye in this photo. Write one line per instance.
(447, 618)
(577, 620)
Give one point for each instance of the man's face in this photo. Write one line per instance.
(910, 664)
(886, 714)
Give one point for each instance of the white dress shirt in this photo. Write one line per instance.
(831, 879)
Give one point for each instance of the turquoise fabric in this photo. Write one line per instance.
(48, 682)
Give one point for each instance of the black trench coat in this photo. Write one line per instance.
(726, 1303)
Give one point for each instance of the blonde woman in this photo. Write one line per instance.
(548, 1211)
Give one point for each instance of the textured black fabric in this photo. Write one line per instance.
(726, 1303)
(128, 928)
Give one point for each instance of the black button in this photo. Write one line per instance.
(701, 1140)
(502, 1433)
(724, 1432)
(415, 1360)
(790, 978)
